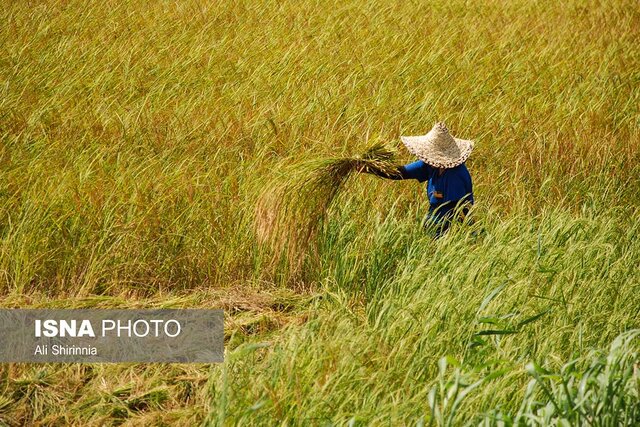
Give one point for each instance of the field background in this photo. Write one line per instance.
(135, 138)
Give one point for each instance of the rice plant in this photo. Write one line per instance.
(599, 389)
(151, 155)
(292, 209)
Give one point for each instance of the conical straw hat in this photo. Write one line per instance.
(438, 148)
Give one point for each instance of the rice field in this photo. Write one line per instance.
(139, 144)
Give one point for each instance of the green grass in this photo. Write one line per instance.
(136, 138)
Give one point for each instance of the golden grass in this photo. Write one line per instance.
(292, 208)
(136, 138)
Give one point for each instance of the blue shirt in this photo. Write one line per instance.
(444, 191)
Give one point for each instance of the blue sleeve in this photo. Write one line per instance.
(417, 170)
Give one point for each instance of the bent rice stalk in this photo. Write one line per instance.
(293, 208)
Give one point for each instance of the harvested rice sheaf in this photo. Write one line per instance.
(292, 208)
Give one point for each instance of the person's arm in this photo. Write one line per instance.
(417, 170)
(397, 174)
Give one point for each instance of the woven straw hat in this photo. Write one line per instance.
(438, 148)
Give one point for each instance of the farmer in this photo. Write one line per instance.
(441, 163)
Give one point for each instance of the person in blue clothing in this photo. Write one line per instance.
(441, 165)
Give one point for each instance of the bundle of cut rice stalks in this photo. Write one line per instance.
(293, 207)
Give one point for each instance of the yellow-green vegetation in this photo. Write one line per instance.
(136, 138)
(292, 208)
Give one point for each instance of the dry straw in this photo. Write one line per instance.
(292, 209)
